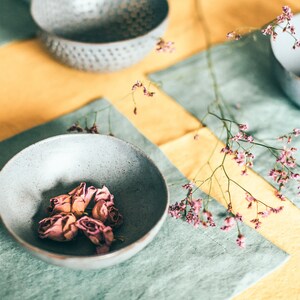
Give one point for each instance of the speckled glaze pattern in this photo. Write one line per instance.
(56, 165)
(100, 35)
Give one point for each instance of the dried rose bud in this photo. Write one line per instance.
(60, 204)
(60, 227)
(96, 231)
(107, 213)
(81, 197)
(105, 195)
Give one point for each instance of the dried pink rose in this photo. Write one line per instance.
(96, 231)
(104, 195)
(60, 204)
(81, 197)
(60, 227)
(107, 213)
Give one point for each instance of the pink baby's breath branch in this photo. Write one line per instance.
(239, 145)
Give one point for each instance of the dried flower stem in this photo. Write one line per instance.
(241, 154)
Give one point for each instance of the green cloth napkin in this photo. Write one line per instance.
(181, 262)
(244, 71)
(15, 21)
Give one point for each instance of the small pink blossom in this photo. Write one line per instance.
(188, 186)
(239, 158)
(296, 131)
(243, 127)
(280, 196)
(256, 222)
(295, 176)
(269, 30)
(286, 157)
(244, 172)
(296, 45)
(241, 241)
(192, 218)
(264, 214)
(167, 47)
(292, 29)
(239, 136)
(137, 85)
(277, 210)
(196, 205)
(287, 12)
(250, 139)
(175, 210)
(250, 198)
(238, 217)
(229, 223)
(209, 218)
(279, 176)
(226, 150)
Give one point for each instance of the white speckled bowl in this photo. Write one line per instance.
(287, 61)
(55, 166)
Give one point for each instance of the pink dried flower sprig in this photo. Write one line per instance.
(284, 18)
(264, 214)
(194, 212)
(285, 165)
(283, 21)
(146, 92)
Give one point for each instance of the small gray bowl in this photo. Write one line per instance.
(286, 61)
(100, 35)
(55, 166)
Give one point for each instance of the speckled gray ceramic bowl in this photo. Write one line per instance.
(286, 61)
(55, 166)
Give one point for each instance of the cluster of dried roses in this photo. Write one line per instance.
(68, 215)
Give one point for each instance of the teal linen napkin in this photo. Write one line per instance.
(181, 262)
(244, 71)
(15, 21)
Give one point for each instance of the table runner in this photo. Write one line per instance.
(180, 262)
(244, 71)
